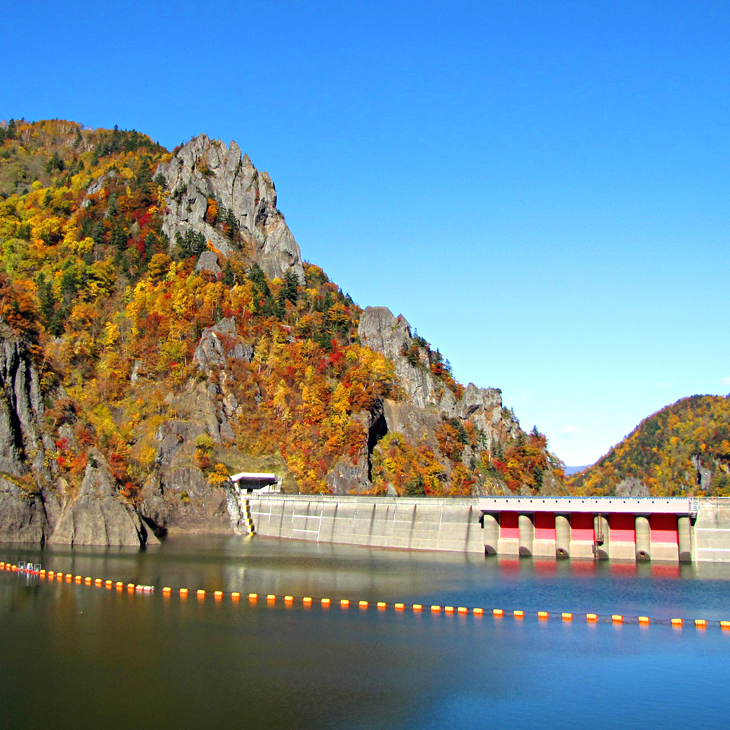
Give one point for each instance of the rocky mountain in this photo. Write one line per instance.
(208, 182)
(160, 330)
(681, 449)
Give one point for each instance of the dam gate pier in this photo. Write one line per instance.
(602, 528)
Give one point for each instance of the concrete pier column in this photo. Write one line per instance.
(527, 534)
(562, 536)
(684, 526)
(602, 535)
(491, 534)
(643, 538)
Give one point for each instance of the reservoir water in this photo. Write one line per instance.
(74, 656)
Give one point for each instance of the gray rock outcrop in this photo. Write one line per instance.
(27, 507)
(22, 445)
(99, 515)
(177, 495)
(204, 170)
(632, 487)
(426, 397)
(219, 342)
(22, 514)
(208, 261)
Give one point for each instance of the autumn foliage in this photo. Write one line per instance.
(118, 310)
(682, 449)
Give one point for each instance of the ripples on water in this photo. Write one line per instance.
(82, 657)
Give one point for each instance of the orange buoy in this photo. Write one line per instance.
(725, 624)
(644, 620)
(69, 577)
(478, 611)
(462, 609)
(399, 606)
(591, 617)
(98, 582)
(363, 604)
(235, 596)
(271, 598)
(78, 578)
(345, 603)
(567, 616)
(436, 609)
(167, 590)
(382, 604)
(326, 601)
(543, 615)
(43, 572)
(184, 592)
(449, 609)
(119, 585)
(218, 594)
(253, 596)
(201, 593)
(417, 607)
(87, 581)
(498, 612)
(519, 614)
(617, 618)
(288, 599)
(307, 599)
(701, 623)
(108, 584)
(130, 586)
(677, 622)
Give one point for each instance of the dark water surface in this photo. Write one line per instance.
(73, 656)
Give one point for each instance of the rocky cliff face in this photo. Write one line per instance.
(205, 172)
(177, 495)
(98, 515)
(426, 394)
(36, 506)
(21, 406)
(27, 506)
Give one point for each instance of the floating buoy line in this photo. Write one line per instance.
(271, 599)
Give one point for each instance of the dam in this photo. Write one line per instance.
(666, 529)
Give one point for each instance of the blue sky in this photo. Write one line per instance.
(541, 188)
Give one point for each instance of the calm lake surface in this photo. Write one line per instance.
(73, 656)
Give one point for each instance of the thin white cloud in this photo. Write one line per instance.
(664, 384)
(725, 381)
(569, 431)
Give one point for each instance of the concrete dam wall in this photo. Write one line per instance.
(657, 529)
(393, 522)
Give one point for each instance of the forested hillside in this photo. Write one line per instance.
(177, 332)
(682, 449)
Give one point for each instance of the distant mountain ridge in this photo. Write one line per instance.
(570, 470)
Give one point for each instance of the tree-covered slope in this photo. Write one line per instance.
(178, 333)
(682, 449)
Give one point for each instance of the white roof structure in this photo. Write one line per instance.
(253, 476)
(249, 481)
